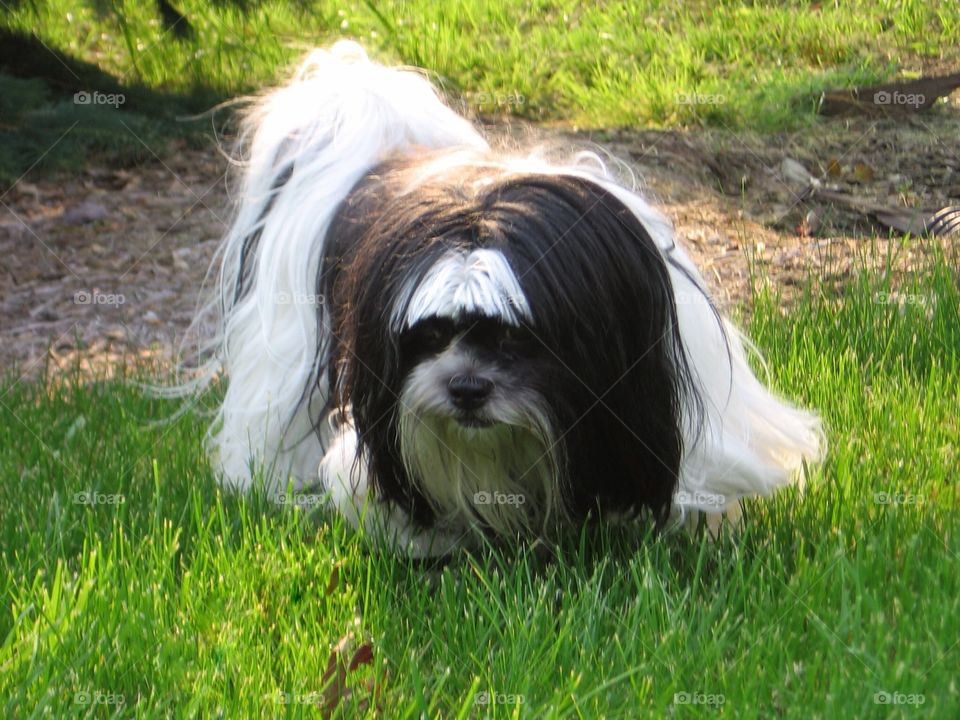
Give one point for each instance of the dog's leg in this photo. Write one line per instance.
(345, 476)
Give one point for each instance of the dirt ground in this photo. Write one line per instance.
(109, 264)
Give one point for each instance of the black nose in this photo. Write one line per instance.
(469, 392)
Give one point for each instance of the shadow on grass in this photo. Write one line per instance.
(59, 113)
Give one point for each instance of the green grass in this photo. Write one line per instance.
(181, 601)
(669, 63)
(597, 64)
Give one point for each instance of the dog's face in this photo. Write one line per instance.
(475, 371)
(474, 419)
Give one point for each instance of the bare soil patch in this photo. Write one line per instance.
(108, 264)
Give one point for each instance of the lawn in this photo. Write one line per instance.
(135, 588)
(130, 586)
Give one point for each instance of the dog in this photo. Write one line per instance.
(456, 342)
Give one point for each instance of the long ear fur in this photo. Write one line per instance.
(752, 442)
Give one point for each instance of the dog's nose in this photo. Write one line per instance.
(469, 392)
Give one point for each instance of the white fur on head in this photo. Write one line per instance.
(479, 283)
(311, 142)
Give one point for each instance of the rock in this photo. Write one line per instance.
(86, 212)
(793, 172)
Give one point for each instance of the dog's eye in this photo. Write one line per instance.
(433, 334)
(512, 335)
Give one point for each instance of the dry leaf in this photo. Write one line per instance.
(863, 172)
(334, 680)
(363, 656)
(334, 581)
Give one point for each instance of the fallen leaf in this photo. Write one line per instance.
(863, 172)
(334, 679)
(334, 581)
(363, 656)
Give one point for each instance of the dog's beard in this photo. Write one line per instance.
(501, 475)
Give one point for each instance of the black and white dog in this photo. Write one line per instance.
(466, 342)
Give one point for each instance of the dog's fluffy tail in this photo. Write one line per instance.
(305, 146)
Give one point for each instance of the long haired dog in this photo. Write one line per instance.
(456, 342)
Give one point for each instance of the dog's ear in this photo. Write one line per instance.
(603, 300)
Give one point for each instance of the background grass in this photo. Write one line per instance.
(602, 63)
(179, 600)
(729, 64)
